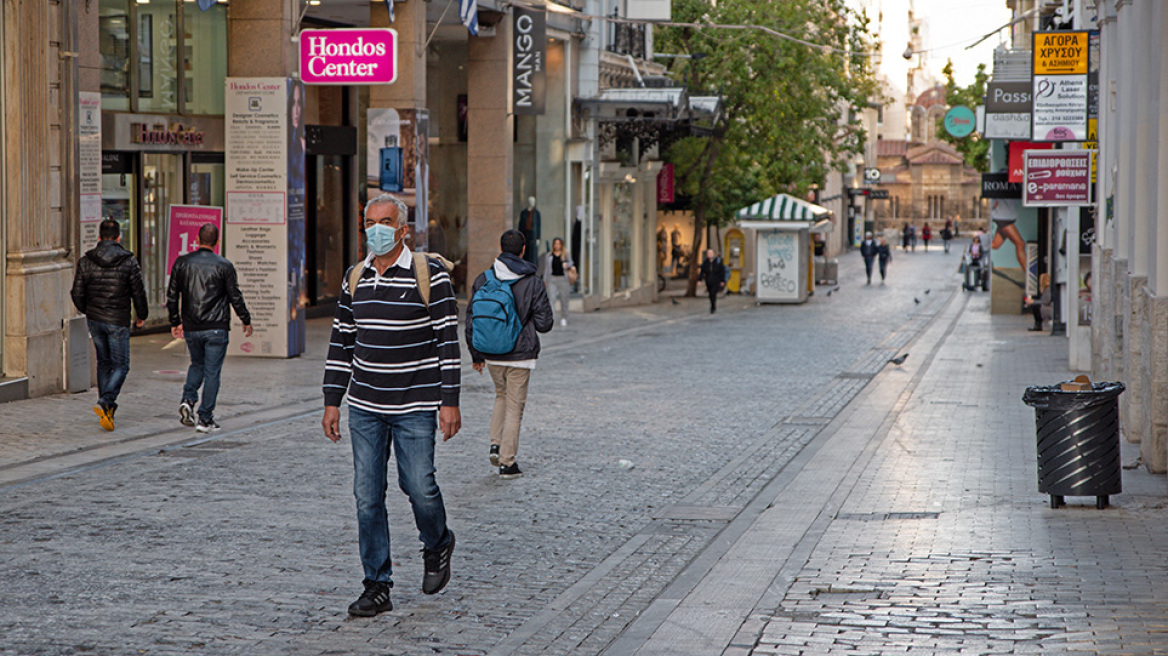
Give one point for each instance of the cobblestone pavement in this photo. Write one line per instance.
(944, 546)
(246, 543)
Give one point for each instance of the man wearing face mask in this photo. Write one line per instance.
(394, 351)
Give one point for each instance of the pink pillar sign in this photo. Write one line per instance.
(185, 221)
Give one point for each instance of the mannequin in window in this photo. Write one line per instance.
(529, 221)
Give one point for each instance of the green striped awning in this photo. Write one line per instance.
(782, 208)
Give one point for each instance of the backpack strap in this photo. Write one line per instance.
(355, 277)
(422, 275)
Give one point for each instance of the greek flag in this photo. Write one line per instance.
(206, 4)
(389, 9)
(468, 12)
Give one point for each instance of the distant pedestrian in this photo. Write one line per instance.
(926, 235)
(713, 272)
(394, 352)
(904, 237)
(558, 272)
(1039, 307)
(107, 281)
(947, 234)
(509, 356)
(912, 237)
(202, 285)
(884, 253)
(868, 252)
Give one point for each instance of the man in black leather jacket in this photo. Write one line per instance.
(108, 278)
(511, 371)
(205, 283)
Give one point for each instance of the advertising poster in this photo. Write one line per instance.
(388, 130)
(184, 222)
(1014, 163)
(89, 166)
(264, 233)
(778, 265)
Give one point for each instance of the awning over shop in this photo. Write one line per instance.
(784, 212)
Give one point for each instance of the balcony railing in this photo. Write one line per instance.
(628, 39)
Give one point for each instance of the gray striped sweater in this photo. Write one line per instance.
(388, 351)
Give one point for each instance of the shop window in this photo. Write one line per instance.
(158, 42)
(145, 56)
(114, 48)
(204, 58)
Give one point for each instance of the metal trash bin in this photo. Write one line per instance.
(1078, 441)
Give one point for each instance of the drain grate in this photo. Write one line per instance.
(880, 517)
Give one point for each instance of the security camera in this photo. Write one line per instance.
(908, 53)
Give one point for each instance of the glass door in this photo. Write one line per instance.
(162, 186)
(326, 201)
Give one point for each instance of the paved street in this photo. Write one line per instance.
(789, 494)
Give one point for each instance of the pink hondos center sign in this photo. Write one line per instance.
(348, 56)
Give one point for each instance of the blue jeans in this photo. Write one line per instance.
(411, 438)
(112, 344)
(207, 348)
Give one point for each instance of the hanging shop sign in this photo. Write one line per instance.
(959, 121)
(1007, 110)
(665, 184)
(348, 56)
(998, 185)
(1057, 178)
(1014, 157)
(528, 62)
(1059, 97)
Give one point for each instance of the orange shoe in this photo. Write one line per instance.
(104, 416)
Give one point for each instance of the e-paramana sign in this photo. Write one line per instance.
(1056, 178)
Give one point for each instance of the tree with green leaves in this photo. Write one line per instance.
(973, 148)
(791, 110)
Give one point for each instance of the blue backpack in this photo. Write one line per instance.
(494, 322)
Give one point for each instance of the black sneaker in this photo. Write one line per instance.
(437, 567)
(494, 455)
(374, 600)
(186, 414)
(207, 426)
(510, 471)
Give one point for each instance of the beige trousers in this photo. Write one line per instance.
(510, 398)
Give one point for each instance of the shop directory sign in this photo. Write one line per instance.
(348, 56)
(1056, 178)
(1059, 97)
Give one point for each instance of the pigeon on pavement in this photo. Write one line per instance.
(899, 360)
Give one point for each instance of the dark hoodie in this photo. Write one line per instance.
(108, 278)
(531, 305)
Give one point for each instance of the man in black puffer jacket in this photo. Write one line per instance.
(108, 279)
(512, 371)
(202, 284)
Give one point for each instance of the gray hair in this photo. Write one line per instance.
(403, 212)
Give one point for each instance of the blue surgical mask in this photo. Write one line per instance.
(380, 238)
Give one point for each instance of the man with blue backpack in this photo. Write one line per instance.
(508, 306)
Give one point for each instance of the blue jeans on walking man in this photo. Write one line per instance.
(112, 345)
(207, 348)
(411, 438)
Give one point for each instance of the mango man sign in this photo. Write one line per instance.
(349, 56)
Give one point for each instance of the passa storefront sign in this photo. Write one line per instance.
(1007, 108)
(348, 56)
(528, 61)
(998, 185)
(1057, 178)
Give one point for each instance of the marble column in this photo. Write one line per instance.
(490, 148)
(1154, 449)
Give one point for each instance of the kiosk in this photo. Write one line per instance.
(782, 227)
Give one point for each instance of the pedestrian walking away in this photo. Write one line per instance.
(926, 235)
(912, 237)
(107, 282)
(947, 234)
(202, 286)
(558, 272)
(884, 253)
(394, 352)
(868, 252)
(714, 273)
(507, 345)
